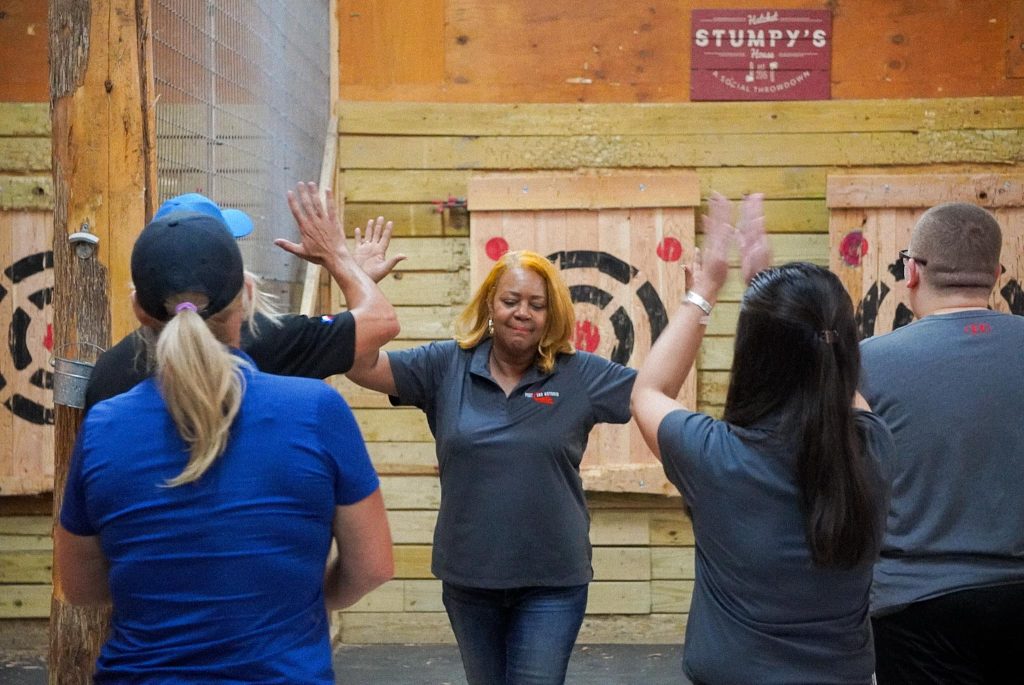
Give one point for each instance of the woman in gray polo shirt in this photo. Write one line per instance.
(510, 405)
(788, 493)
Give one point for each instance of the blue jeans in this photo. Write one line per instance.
(519, 636)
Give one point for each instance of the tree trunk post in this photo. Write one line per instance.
(104, 173)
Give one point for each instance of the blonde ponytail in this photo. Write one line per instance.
(199, 380)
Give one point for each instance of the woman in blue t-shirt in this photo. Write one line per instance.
(203, 502)
(788, 492)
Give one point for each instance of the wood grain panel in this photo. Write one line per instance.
(532, 51)
(682, 118)
(26, 317)
(389, 42)
(878, 213)
(23, 52)
(776, 182)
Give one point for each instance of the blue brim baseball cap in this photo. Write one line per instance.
(237, 221)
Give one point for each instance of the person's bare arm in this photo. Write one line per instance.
(80, 567)
(364, 557)
(323, 243)
(374, 373)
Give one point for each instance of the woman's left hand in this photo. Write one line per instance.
(755, 250)
(323, 237)
(711, 264)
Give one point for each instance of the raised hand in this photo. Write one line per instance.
(711, 264)
(371, 249)
(755, 250)
(323, 236)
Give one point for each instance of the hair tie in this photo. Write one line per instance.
(830, 336)
(182, 306)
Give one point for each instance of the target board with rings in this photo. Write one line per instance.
(872, 218)
(26, 379)
(620, 241)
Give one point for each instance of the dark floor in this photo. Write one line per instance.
(23, 647)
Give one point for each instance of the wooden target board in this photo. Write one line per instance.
(871, 218)
(26, 379)
(620, 240)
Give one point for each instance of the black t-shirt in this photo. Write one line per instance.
(300, 346)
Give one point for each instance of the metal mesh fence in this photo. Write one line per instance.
(242, 107)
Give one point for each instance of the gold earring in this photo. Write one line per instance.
(490, 326)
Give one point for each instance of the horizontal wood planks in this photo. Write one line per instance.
(26, 561)
(678, 119)
(643, 574)
(25, 179)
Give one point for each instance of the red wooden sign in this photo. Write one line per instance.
(761, 54)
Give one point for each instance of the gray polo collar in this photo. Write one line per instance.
(478, 365)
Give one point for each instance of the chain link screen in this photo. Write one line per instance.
(242, 108)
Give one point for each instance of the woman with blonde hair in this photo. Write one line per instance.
(203, 502)
(511, 405)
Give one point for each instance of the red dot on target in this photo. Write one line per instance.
(495, 248)
(588, 336)
(853, 247)
(670, 250)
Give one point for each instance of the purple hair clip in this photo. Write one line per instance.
(182, 306)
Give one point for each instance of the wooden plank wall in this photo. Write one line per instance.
(534, 51)
(632, 216)
(397, 158)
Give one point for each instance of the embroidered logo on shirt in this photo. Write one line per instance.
(542, 397)
(977, 328)
(327, 318)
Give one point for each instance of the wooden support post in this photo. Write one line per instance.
(311, 284)
(104, 172)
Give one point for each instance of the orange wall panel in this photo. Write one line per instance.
(607, 50)
(611, 51)
(385, 43)
(24, 72)
(923, 48)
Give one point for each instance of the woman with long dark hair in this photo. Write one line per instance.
(787, 492)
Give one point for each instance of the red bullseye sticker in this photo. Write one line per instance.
(495, 248)
(853, 248)
(588, 337)
(670, 250)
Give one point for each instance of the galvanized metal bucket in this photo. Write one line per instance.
(71, 376)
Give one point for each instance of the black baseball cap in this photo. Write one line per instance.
(186, 252)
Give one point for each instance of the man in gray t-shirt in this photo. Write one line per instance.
(948, 591)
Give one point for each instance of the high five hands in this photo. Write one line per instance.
(710, 266)
(323, 239)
